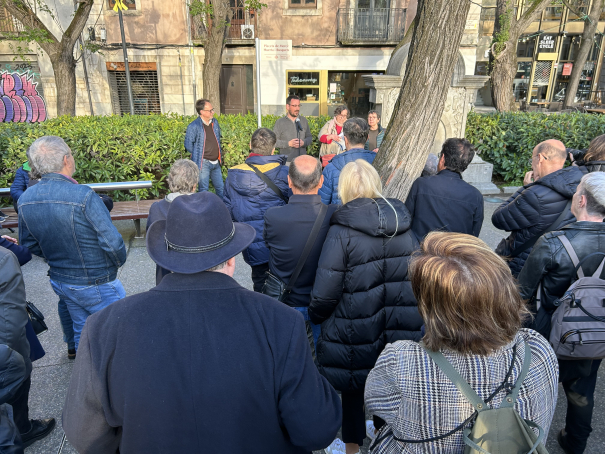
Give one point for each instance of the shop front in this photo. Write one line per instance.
(322, 91)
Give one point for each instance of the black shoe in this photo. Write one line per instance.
(40, 428)
(563, 442)
(71, 353)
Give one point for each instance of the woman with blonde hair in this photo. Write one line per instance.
(362, 295)
(473, 315)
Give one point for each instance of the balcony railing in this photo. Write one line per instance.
(242, 29)
(371, 25)
(8, 24)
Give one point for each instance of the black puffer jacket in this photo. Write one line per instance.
(550, 264)
(533, 209)
(595, 166)
(362, 294)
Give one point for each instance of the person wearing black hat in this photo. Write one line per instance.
(198, 363)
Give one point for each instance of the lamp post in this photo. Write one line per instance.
(119, 6)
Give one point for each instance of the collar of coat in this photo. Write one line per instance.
(175, 282)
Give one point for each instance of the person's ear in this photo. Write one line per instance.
(321, 181)
(289, 182)
(346, 142)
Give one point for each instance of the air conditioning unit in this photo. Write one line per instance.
(247, 31)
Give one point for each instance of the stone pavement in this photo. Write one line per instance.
(50, 376)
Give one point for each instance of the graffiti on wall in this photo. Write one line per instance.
(21, 97)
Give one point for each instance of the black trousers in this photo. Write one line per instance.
(353, 417)
(258, 276)
(579, 379)
(19, 402)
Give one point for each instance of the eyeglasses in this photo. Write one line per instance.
(211, 110)
(342, 116)
(531, 160)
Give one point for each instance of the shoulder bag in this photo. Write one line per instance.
(274, 286)
(268, 182)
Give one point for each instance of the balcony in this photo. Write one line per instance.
(376, 26)
(8, 24)
(242, 30)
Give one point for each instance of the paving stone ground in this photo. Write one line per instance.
(50, 376)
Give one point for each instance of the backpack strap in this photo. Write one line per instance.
(572, 254)
(599, 270)
(509, 400)
(451, 373)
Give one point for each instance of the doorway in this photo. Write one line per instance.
(237, 90)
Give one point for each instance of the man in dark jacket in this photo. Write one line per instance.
(445, 201)
(20, 183)
(287, 229)
(248, 196)
(13, 373)
(550, 264)
(533, 209)
(355, 131)
(13, 318)
(198, 363)
(203, 141)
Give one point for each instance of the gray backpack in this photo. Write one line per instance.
(578, 323)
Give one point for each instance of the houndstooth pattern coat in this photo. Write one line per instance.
(408, 391)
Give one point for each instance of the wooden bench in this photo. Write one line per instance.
(135, 210)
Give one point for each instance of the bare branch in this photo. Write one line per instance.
(24, 14)
(531, 15)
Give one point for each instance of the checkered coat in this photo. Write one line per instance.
(408, 391)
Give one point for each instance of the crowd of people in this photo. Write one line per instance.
(360, 303)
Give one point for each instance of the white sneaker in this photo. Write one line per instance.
(337, 447)
(370, 429)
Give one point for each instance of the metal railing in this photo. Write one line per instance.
(8, 24)
(243, 25)
(371, 25)
(118, 186)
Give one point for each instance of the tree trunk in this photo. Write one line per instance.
(64, 67)
(504, 68)
(431, 60)
(213, 52)
(590, 27)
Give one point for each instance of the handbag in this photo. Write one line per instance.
(37, 318)
(274, 286)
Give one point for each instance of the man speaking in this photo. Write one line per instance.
(292, 131)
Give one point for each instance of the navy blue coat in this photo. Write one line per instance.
(19, 184)
(198, 364)
(248, 198)
(329, 190)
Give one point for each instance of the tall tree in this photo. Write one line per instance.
(216, 15)
(60, 49)
(590, 27)
(503, 56)
(431, 61)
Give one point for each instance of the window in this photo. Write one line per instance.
(581, 7)
(305, 85)
(553, 13)
(487, 21)
(302, 3)
(570, 47)
(145, 90)
(526, 48)
(130, 4)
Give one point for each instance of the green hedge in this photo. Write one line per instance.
(130, 148)
(507, 139)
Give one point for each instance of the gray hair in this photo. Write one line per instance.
(218, 267)
(304, 182)
(183, 176)
(46, 154)
(430, 168)
(593, 187)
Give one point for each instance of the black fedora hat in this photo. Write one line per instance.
(198, 234)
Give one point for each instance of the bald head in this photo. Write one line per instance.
(548, 157)
(304, 175)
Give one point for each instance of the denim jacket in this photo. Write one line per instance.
(68, 225)
(195, 139)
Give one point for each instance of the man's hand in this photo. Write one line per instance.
(375, 150)
(529, 178)
(10, 238)
(296, 143)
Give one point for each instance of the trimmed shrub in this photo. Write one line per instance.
(130, 148)
(507, 139)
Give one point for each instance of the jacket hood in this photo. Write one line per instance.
(374, 217)
(595, 166)
(564, 181)
(341, 160)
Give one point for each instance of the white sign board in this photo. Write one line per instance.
(471, 24)
(276, 49)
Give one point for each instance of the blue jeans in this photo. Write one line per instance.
(85, 300)
(213, 171)
(67, 324)
(315, 329)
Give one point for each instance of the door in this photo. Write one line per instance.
(233, 89)
(372, 20)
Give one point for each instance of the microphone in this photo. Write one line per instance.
(298, 125)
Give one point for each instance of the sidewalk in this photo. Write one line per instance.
(50, 377)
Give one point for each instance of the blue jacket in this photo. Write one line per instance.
(198, 364)
(329, 190)
(248, 198)
(67, 224)
(195, 139)
(19, 184)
